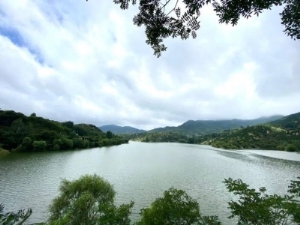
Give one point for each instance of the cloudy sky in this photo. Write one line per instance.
(86, 62)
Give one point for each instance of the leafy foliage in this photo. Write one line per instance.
(281, 134)
(121, 130)
(88, 200)
(203, 127)
(11, 218)
(21, 133)
(39, 146)
(274, 136)
(257, 207)
(160, 137)
(176, 207)
(294, 188)
(181, 19)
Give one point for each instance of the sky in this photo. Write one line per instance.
(87, 62)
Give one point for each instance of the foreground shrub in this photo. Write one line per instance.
(88, 200)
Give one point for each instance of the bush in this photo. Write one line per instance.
(176, 207)
(88, 200)
(291, 148)
(66, 144)
(39, 146)
(11, 218)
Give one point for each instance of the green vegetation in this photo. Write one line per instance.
(31, 133)
(121, 130)
(192, 127)
(90, 200)
(164, 19)
(3, 152)
(257, 207)
(204, 127)
(11, 218)
(282, 134)
(175, 207)
(159, 137)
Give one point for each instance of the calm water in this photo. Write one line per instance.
(142, 171)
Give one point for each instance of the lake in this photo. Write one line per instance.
(141, 172)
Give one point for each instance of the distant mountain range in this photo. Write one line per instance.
(281, 134)
(121, 130)
(200, 127)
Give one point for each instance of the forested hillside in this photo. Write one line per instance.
(31, 133)
(121, 130)
(282, 134)
(202, 127)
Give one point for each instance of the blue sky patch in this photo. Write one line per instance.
(13, 35)
(38, 56)
(2, 13)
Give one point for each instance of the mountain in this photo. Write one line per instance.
(121, 130)
(290, 122)
(202, 127)
(281, 134)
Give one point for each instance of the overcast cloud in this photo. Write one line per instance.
(86, 62)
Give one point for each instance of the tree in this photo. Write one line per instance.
(39, 146)
(163, 20)
(66, 144)
(12, 218)
(78, 143)
(56, 144)
(26, 144)
(88, 200)
(109, 134)
(176, 207)
(68, 124)
(257, 207)
(291, 148)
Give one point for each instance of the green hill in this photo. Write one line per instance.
(289, 122)
(31, 133)
(160, 137)
(282, 134)
(121, 130)
(203, 127)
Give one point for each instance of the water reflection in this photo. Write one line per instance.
(141, 172)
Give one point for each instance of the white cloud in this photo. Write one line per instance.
(87, 62)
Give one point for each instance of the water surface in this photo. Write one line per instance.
(142, 171)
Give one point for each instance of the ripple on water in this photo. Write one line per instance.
(141, 172)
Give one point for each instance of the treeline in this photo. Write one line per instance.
(258, 137)
(31, 133)
(90, 200)
(204, 127)
(172, 137)
(282, 134)
(162, 137)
